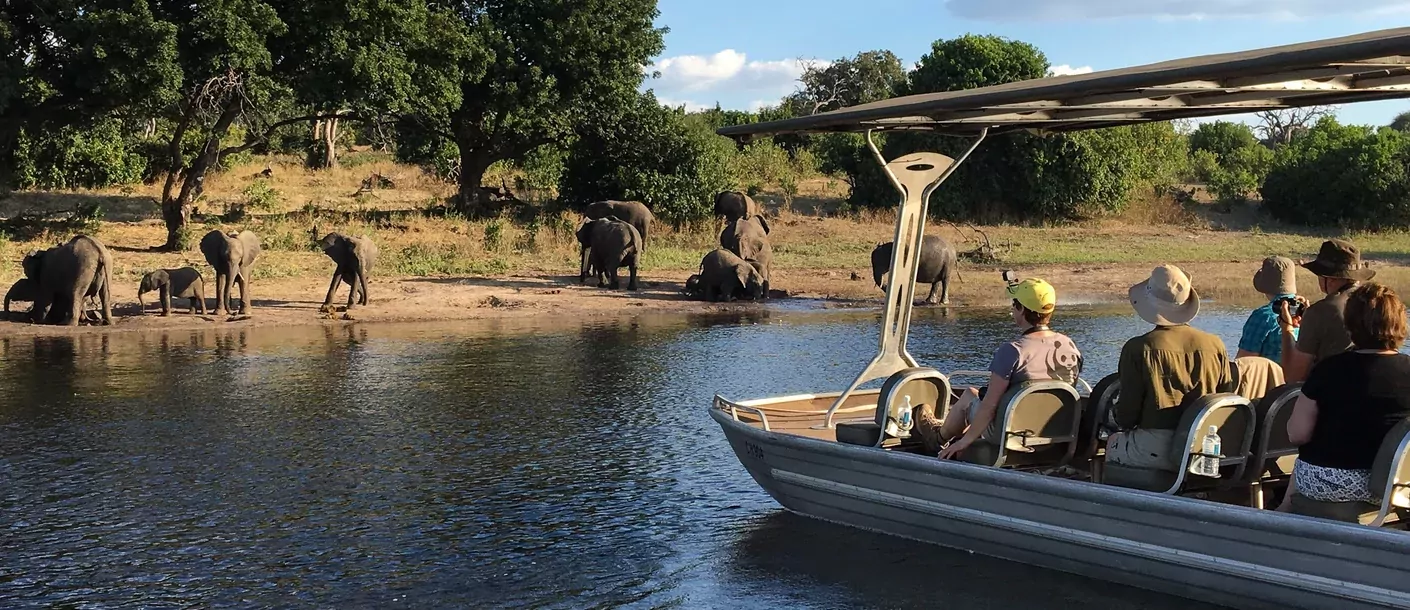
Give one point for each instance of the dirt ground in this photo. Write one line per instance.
(296, 301)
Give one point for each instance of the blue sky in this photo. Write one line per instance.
(744, 53)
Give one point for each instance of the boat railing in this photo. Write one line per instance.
(734, 408)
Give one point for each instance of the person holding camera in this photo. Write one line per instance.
(1037, 353)
(1262, 335)
(1320, 332)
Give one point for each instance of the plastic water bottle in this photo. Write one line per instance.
(1207, 465)
(899, 421)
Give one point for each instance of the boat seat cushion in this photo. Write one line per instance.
(1138, 478)
(858, 433)
(1348, 512)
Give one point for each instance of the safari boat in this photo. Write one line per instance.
(1040, 494)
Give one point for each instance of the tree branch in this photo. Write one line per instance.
(252, 140)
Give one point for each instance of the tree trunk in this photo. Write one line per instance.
(472, 200)
(176, 211)
(330, 143)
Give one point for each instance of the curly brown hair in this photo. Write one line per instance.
(1035, 318)
(1375, 317)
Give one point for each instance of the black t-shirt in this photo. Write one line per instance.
(1359, 398)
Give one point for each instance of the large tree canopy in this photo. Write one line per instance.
(524, 73)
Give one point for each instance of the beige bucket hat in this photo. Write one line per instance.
(1167, 298)
(1276, 276)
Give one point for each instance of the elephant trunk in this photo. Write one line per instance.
(141, 305)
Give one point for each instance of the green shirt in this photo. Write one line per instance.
(1159, 368)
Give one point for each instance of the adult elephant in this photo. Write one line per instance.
(613, 244)
(634, 213)
(64, 276)
(748, 239)
(232, 256)
(937, 263)
(724, 276)
(734, 205)
(354, 258)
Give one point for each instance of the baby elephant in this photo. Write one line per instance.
(22, 290)
(354, 257)
(183, 283)
(724, 277)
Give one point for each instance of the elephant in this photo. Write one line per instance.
(747, 238)
(65, 276)
(614, 244)
(724, 277)
(233, 256)
(632, 212)
(734, 205)
(937, 263)
(354, 257)
(183, 283)
(585, 236)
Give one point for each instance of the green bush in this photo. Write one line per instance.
(261, 196)
(1222, 138)
(1240, 174)
(1339, 175)
(96, 156)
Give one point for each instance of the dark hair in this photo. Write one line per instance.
(1033, 317)
(1375, 317)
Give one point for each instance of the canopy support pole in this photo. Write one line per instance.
(916, 176)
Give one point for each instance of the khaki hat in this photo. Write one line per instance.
(1168, 298)
(1340, 259)
(1277, 276)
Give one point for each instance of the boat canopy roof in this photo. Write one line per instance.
(1363, 67)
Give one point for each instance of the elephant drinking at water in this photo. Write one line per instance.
(64, 276)
(937, 263)
(724, 277)
(354, 258)
(747, 238)
(233, 256)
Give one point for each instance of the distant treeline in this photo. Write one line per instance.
(96, 94)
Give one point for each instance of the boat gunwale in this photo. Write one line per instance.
(1327, 531)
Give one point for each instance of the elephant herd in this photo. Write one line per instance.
(61, 281)
(740, 268)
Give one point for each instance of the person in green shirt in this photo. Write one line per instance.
(1159, 369)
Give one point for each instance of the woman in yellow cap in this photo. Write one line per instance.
(1037, 353)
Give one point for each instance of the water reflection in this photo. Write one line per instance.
(512, 464)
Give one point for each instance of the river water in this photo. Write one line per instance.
(508, 464)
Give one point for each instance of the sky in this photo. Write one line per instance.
(745, 54)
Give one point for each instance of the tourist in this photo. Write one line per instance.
(1319, 332)
(1348, 404)
(1037, 353)
(1262, 335)
(1160, 369)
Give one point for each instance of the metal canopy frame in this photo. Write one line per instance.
(1364, 67)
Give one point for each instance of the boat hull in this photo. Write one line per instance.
(1223, 554)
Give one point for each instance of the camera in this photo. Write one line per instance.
(1010, 277)
(1295, 306)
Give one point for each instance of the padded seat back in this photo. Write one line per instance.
(923, 385)
(1095, 415)
(1233, 418)
(1390, 475)
(1037, 422)
(1271, 446)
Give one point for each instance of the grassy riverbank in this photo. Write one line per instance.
(437, 266)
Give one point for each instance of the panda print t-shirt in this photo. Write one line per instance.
(1038, 356)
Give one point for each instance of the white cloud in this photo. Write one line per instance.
(690, 106)
(729, 77)
(1066, 70)
(1071, 10)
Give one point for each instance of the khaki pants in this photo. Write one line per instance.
(1141, 448)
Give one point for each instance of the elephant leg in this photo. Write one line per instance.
(166, 300)
(352, 293)
(362, 283)
(934, 287)
(244, 292)
(615, 281)
(222, 292)
(712, 292)
(76, 307)
(945, 286)
(631, 283)
(332, 289)
(583, 265)
(200, 298)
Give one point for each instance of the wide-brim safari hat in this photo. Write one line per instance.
(1339, 259)
(1276, 276)
(1167, 298)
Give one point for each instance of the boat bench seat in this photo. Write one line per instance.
(1037, 423)
(1271, 447)
(921, 384)
(1234, 418)
(1390, 477)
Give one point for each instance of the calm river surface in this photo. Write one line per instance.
(509, 464)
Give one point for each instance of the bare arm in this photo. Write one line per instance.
(978, 422)
(1296, 363)
(1303, 420)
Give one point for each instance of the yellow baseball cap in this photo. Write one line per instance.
(1035, 294)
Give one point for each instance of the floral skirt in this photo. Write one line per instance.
(1325, 484)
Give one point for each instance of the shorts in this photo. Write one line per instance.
(1142, 448)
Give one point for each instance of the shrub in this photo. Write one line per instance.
(1349, 176)
(95, 156)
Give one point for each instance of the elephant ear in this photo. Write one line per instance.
(744, 272)
(764, 222)
(33, 264)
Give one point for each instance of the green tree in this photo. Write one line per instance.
(646, 152)
(848, 81)
(1401, 122)
(1222, 138)
(1341, 175)
(515, 76)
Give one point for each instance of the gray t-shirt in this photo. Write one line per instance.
(1037, 356)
